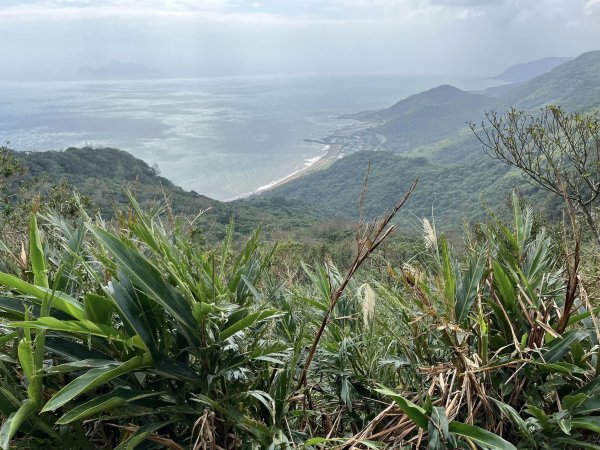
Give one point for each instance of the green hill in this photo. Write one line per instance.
(453, 192)
(574, 85)
(429, 131)
(526, 71)
(105, 175)
(426, 117)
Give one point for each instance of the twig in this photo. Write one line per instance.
(372, 238)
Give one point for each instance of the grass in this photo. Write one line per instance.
(127, 334)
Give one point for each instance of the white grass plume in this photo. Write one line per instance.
(368, 296)
(429, 235)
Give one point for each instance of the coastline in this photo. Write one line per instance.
(311, 165)
(332, 152)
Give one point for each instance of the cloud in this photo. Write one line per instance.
(294, 36)
(266, 12)
(592, 7)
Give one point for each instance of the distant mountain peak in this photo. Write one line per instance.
(445, 88)
(443, 92)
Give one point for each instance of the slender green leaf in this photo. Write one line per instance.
(59, 300)
(591, 423)
(103, 403)
(246, 322)
(75, 326)
(414, 412)
(14, 422)
(483, 437)
(36, 254)
(558, 347)
(92, 379)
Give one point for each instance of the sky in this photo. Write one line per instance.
(51, 39)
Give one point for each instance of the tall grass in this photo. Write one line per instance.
(136, 336)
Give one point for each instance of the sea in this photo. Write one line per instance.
(222, 137)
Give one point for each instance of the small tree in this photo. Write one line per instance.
(557, 151)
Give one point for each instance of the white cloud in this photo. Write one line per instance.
(266, 12)
(592, 6)
(294, 36)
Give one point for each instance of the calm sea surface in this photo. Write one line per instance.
(221, 137)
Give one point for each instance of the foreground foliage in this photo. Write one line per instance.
(134, 335)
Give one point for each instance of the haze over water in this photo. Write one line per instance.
(222, 137)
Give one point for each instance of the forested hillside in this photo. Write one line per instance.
(428, 136)
(105, 175)
(129, 329)
(427, 117)
(520, 73)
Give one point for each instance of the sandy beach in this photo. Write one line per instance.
(313, 165)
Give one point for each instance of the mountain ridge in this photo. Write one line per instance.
(455, 172)
(522, 72)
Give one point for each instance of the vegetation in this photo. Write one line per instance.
(135, 334)
(557, 151)
(453, 193)
(426, 117)
(132, 330)
(103, 175)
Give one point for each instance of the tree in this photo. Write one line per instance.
(558, 151)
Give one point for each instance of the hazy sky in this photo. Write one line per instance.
(52, 38)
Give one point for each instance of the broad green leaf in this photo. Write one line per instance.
(512, 415)
(103, 403)
(98, 308)
(570, 402)
(588, 406)
(246, 322)
(322, 440)
(8, 337)
(483, 437)
(14, 422)
(575, 444)
(541, 417)
(60, 300)
(438, 428)
(504, 286)
(92, 379)
(7, 359)
(563, 418)
(591, 423)
(79, 365)
(13, 308)
(414, 412)
(558, 347)
(140, 435)
(75, 326)
(135, 312)
(562, 367)
(147, 277)
(469, 287)
(65, 276)
(70, 349)
(265, 399)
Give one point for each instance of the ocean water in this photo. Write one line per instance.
(222, 137)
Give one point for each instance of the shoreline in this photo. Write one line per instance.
(311, 165)
(332, 152)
